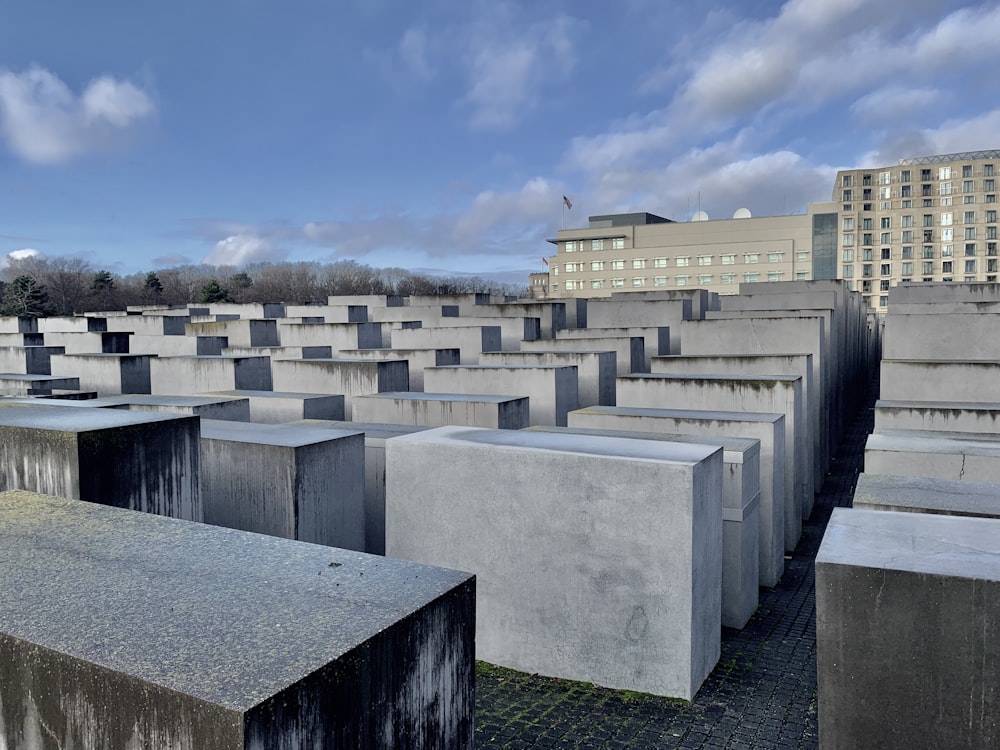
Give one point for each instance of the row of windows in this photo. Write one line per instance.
(946, 218)
(943, 201)
(680, 280)
(616, 243)
(906, 175)
(926, 190)
(946, 234)
(681, 262)
(906, 251)
(926, 266)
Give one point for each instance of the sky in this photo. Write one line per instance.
(442, 136)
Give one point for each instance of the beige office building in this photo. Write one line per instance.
(926, 219)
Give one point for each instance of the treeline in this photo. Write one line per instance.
(38, 286)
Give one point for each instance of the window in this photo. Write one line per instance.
(617, 283)
(751, 278)
(991, 265)
(847, 241)
(927, 266)
(906, 191)
(991, 248)
(728, 260)
(991, 198)
(638, 263)
(597, 244)
(848, 255)
(904, 176)
(947, 251)
(555, 270)
(991, 216)
(885, 205)
(883, 285)
(866, 179)
(597, 265)
(970, 233)
(886, 238)
(907, 235)
(801, 255)
(727, 278)
(884, 193)
(989, 186)
(970, 217)
(571, 285)
(886, 253)
(970, 249)
(928, 202)
(969, 199)
(866, 194)
(947, 219)
(928, 235)
(774, 275)
(597, 283)
(774, 257)
(926, 189)
(681, 280)
(885, 269)
(555, 287)
(659, 262)
(801, 275)
(966, 170)
(944, 173)
(704, 260)
(866, 238)
(866, 286)
(705, 278)
(944, 188)
(639, 281)
(866, 254)
(618, 243)
(847, 180)
(928, 220)
(866, 223)
(970, 266)
(988, 170)
(659, 281)
(751, 257)
(848, 224)
(883, 300)
(572, 267)
(571, 246)
(925, 174)
(967, 186)
(866, 270)
(848, 195)
(991, 233)
(884, 178)
(947, 235)
(907, 251)
(907, 269)
(617, 265)
(683, 262)
(906, 204)
(847, 271)
(946, 266)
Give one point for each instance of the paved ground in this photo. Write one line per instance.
(761, 695)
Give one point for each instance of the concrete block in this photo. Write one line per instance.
(552, 390)
(347, 377)
(948, 497)
(628, 532)
(929, 379)
(938, 416)
(418, 359)
(15, 384)
(266, 645)
(277, 407)
(439, 409)
(28, 360)
(471, 341)
(292, 481)
(142, 461)
(206, 407)
(630, 351)
(107, 374)
(767, 429)
(596, 370)
(189, 375)
(908, 642)
(941, 455)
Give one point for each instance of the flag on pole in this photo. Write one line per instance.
(566, 202)
(545, 261)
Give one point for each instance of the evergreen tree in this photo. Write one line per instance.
(25, 298)
(153, 283)
(103, 282)
(212, 292)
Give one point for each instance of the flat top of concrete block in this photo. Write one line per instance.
(227, 616)
(649, 411)
(274, 395)
(69, 419)
(939, 405)
(640, 450)
(555, 353)
(736, 449)
(930, 362)
(162, 400)
(283, 435)
(70, 402)
(380, 430)
(942, 495)
(931, 441)
(212, 357)
(107, 355)
(957, 546)
(502, 367)
(464, 397)
(18, 377)
(714, 377)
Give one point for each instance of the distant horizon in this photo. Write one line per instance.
(443, 139)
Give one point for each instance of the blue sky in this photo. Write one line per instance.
(441, 136)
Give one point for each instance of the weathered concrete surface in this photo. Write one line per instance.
(941, 455)
(142, 461)
(207, 407)
(292, 481)
(124, 630)
(627, 532)
(277, 407)
(188, 375)
(908, 642)
(347, 377)
(948, 497)
(439, 409)
(596, 370)
(940, 416)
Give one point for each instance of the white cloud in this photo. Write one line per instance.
(510, 67)
(895, 104)
(27, 252)
(415, 54)
(240, 249)
(43, 121)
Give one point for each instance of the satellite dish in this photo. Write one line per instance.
(700, 216)
(742, 213)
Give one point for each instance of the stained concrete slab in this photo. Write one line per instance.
(948, 497)
(121, 629)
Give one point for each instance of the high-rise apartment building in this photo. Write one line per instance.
(926, 219)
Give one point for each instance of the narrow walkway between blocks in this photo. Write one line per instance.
(761, 695)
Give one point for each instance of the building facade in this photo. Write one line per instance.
(925, 219)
